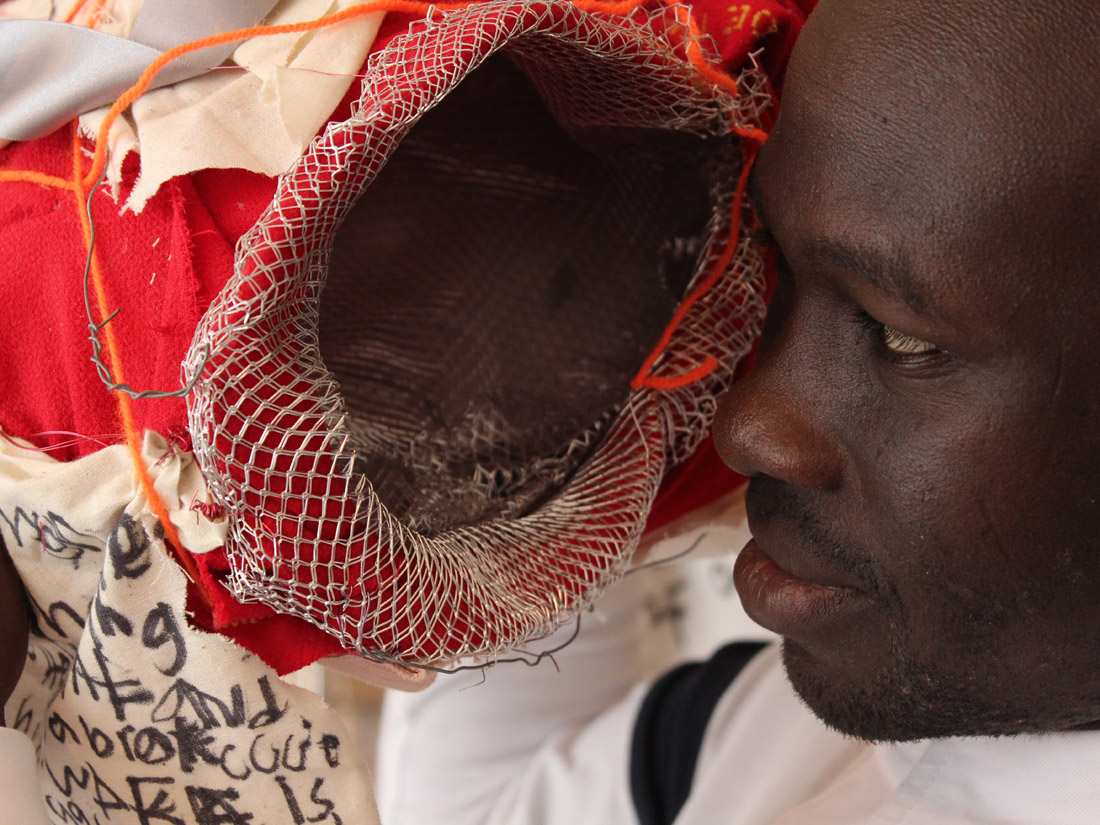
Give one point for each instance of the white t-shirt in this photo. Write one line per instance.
(542, 747)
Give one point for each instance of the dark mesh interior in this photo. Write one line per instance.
(495, 289)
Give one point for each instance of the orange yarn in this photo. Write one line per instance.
(643, 378)
(74, 11)
(656, 382)
(715, 76)
(754, 139)
(93, 18)
(125, 405)
(139, 88)
(27, 176)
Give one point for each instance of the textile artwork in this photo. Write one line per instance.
(441, 373)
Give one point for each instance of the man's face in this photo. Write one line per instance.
(922, 429)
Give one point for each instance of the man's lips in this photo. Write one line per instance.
(785, 603)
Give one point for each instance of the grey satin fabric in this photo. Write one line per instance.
(50, 72)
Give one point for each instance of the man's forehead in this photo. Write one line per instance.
(874, 76)
(901, 137)
(892, 113)
(1009, 61)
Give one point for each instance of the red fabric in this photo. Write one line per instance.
(163, 268)
(741, 28)
(285, 642)
(701, 479)
(48, 380)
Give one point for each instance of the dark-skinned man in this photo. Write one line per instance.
(921, 436)
(922, 439)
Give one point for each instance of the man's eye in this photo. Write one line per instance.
(902, 344)
(897, 343)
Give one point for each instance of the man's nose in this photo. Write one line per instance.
(769, 424)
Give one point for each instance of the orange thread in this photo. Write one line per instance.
(99, 160)
(125, 406)
(643, 378)
(710, 72)
(71, 16)
(709, 365)
(754, 139)
(134, 92)
(27, 176)
(93, 19)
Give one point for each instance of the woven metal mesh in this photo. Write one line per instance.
(442, 455)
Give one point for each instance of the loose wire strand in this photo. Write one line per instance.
(94, 328)
(667, 559)
(531, 660)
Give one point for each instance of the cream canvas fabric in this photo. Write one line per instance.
(258, 112)
(134, 715)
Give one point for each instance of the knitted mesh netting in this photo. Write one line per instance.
(417, 406)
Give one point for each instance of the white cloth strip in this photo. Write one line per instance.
(50, 72)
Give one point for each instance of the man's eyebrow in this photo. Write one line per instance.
(888, 273)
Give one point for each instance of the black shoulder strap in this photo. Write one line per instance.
(669, 731)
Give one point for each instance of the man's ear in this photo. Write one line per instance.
(14, 627)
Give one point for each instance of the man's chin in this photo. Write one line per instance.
(875, 704)
(837, 701)
(899, 702)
